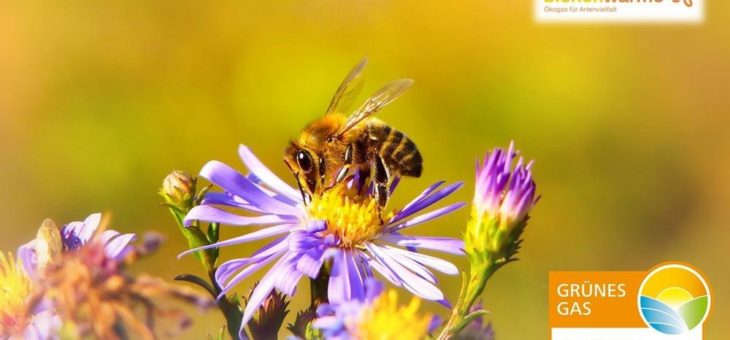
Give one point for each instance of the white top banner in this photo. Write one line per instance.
(688, 11)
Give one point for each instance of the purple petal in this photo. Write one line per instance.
(411, 281)
(411, 265)
(27, 256)
(256, 235)
(265, 286)
(211, 214)
(394, 184)
(228, 268)
(230, 180)
(265, 175)
(427, 201)
(116, 245)
(425, 217)
(287, 284)
(44, 325)
(435, 323)
(375, 263)
(326, 309)
(311, 262)
(444, 303)
(373, 288)
(418, 198)
(443, 244)
(89, 227)
(443, 266)
(328, 322)
(228, 199)
(346, 280)
(226, 286)
(316, 226)
(271, 249)
(338, 289)
(356, 276)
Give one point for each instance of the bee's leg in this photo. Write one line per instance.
(380, 181)
(345, 169)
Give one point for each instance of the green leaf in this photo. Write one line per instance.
(468, 319)
(198, 281)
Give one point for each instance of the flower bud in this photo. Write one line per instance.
(178, 189)
(268, 319)
(503, 198)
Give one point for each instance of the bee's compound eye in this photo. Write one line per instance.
(304, 160)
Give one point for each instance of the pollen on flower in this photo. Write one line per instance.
(15, 287)
(353, 218)
(384, 319)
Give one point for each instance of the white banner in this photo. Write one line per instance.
(621, 334)
(690, 11)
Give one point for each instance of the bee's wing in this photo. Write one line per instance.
(377, 101)
(349, 89)
(48, 243)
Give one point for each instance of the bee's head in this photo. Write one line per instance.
(307, 165)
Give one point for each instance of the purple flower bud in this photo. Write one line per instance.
(502, 191)
(503, 197)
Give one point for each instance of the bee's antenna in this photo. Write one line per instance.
(306, 198)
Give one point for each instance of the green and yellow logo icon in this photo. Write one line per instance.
(674, 299)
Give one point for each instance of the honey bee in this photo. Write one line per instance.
(329, 148)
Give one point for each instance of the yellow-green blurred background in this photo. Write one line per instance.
(627, 123)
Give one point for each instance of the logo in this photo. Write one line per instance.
(671, 301)
(688, 11)
(674, 299)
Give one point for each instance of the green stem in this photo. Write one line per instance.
(318, 286)
(229, 309)
(197, 238)
(461, 313)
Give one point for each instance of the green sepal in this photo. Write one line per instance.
(213, 237)
(196, 238)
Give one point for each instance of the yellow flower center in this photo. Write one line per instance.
(353, 218)
(385, 320)
(15, 286)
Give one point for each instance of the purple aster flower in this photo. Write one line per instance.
(503, 197)
(339, 225)
(17, 289)
(376, 315)
(75, 235)
(336, 321)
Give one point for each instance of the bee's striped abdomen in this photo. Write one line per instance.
(397, 150)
